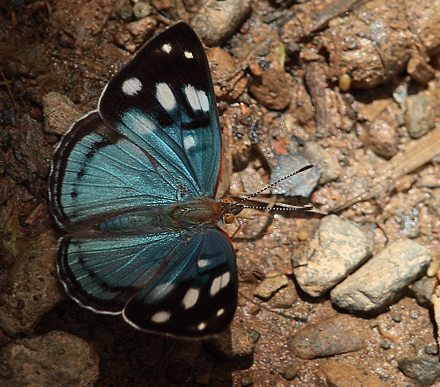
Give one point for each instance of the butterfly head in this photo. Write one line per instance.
(230, 209)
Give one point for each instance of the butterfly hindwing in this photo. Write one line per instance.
(102, 273)
(181, 284)
(202, 298)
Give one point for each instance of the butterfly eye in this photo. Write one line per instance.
(229, 218)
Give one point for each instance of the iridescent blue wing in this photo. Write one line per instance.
(163, 101)
(180, 283)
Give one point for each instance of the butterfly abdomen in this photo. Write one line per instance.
(159, 219)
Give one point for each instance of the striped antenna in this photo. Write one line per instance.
(278, 207)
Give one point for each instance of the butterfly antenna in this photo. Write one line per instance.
(239, 203)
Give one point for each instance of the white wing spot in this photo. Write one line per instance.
(167, 48)
(202, 263)
(165, 96)
(191, 96)
(188, 55)
(220, 312)
(189, 142)
(203, 99)
(191, 297)
(225, 279)
(219, 283)
(197, 99)
(201, 326)
(215, 286)
(161, 317)
(131, 86)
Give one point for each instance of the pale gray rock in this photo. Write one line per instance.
(335, 251)
(329, 165)
(422, 370)
(420, 114)
(383, 278)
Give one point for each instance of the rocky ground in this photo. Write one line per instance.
(344, 295)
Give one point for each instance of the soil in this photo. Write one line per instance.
(278, 83)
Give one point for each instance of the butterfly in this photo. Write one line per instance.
(133, 184)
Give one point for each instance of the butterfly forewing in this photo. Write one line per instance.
(154, 142)
(163, 100)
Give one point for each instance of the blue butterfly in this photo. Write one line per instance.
(133, 184)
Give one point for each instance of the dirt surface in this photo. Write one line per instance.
(353, 86)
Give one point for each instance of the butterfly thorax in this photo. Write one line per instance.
(188, 214)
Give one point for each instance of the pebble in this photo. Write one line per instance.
(338, 335)
(383, 278)
(54, 359)
(291, 371)
(381, 121)
(328, 164)
(255, 335)
(59, 113)
(346, 375)
(247, 381)
(125, 12)
(285, 297)
(423, 370)
(270, 285)
(234, 345)
(423, 289)
(419, 69)
(431, 350)
(228, 79)
(270, 89)
(302, 184)
(385, 346)
(141, 29)
(141, 10)
(336, 249)
(216, 21)
(420, 114)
